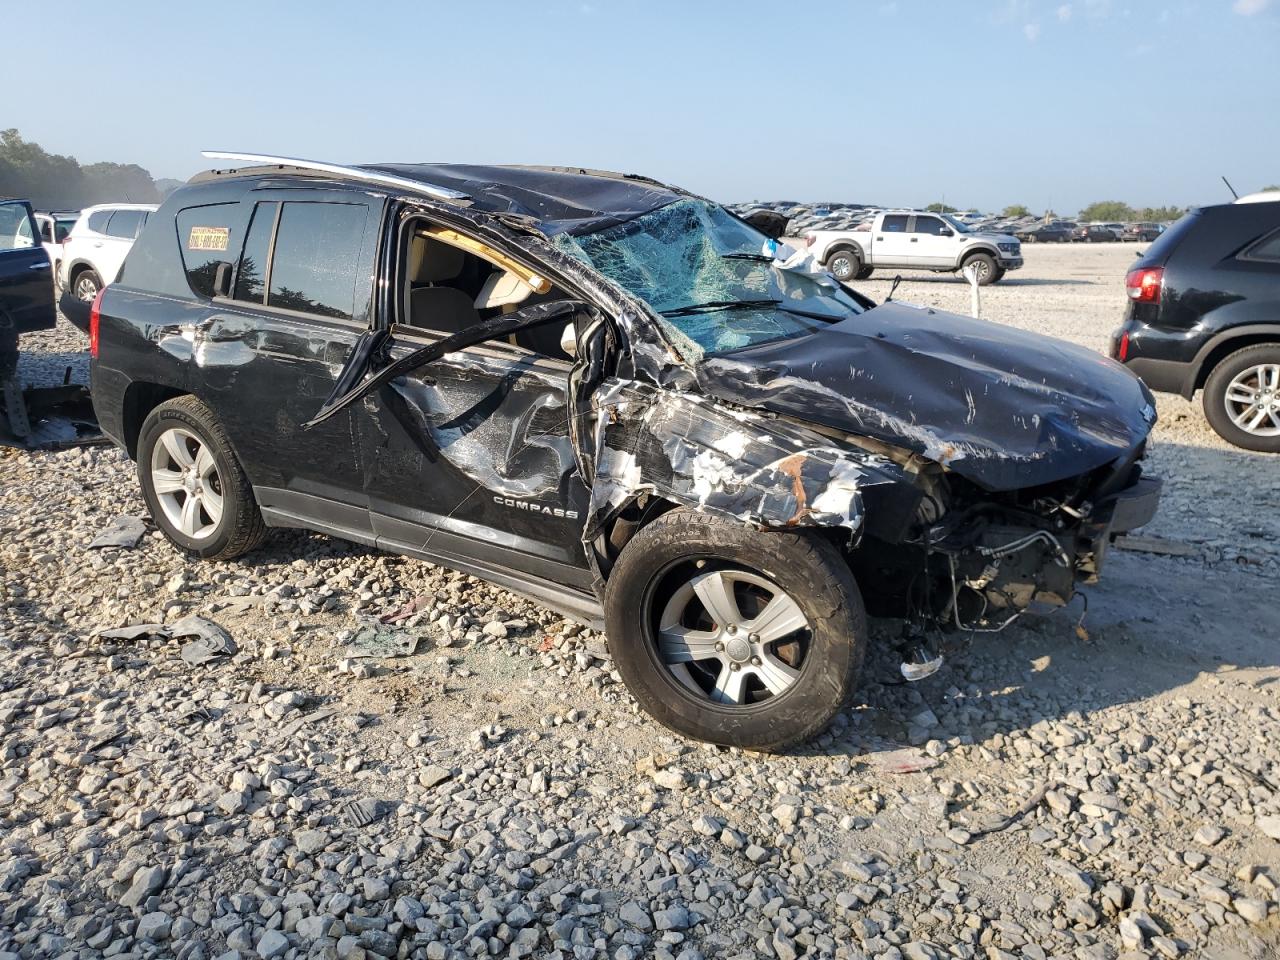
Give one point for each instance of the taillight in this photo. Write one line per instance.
(1144, 284)
(95, 315)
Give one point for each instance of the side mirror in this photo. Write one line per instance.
(946, 232)
(569, 340)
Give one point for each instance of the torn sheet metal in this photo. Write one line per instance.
(716, 459)
(1005, 408)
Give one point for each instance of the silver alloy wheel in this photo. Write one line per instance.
(1252, 400)
(737, 654)
(842, 266)
(85, 288)
(187, 484)
(983, 269)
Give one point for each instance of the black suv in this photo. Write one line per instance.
(1204, 314)
(620, 399)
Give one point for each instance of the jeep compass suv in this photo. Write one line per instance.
(607, 393)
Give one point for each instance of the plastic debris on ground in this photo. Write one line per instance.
(209, 641)
(380, 641)
(123, 531)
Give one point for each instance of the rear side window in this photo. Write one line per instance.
(251, 278)
(316, 257)
(305, 256)
(98, 221)
(1268, 248)
(125, 224)
(894, 224)
(1162, 247)
(206, 238)
(15, 227)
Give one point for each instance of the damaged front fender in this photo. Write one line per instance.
(714, 458)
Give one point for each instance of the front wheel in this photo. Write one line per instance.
(844, 265)
(988, 271)
(193, 484)
(735, 636)
(1242, 398)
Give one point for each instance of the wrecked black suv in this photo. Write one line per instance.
(612, 396)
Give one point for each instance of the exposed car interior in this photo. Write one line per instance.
(453, 281)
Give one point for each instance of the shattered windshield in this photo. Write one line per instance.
(712, 278)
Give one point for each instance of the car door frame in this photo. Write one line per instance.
(243, 328)
(933, 250)
(891, 247)
(562, 581)
(26, 288)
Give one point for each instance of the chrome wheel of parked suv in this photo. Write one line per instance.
(193, 484)
(731, 635)
(1242, 398)
(86, 285)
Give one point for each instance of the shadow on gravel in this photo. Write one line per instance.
(910, 278)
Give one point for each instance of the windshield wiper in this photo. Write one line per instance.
(720, 305)
(758, 257)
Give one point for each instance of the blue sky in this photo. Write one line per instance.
(1040, 102)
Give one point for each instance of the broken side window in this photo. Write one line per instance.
(711, 277)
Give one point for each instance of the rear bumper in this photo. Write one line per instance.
(1166, 376)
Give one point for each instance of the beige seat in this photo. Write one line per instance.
(431, 306)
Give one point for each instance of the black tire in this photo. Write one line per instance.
(827, 651)
(86, 284)
(844, 264)
(240, 527)
(865, 273)
(988, 271)
(1215, 397)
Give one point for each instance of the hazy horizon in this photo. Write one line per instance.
(1047, 104)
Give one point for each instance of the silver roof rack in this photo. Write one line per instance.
(352, 173)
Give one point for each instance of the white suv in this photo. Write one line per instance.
(97, 244)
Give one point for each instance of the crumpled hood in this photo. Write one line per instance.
(1002, 407)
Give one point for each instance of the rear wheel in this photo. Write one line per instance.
(734, 636)
(844, 264)
(1242, 398)
(86, 285)
(193, 484)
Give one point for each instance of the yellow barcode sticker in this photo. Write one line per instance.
(208, 238)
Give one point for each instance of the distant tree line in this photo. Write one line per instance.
(55, 182)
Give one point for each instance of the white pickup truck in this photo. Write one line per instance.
(914, 240)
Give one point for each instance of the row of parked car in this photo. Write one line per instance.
(1068, 231)
(87, 247)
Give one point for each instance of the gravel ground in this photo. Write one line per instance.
(496, 793)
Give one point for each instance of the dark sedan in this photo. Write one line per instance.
(1045, 233)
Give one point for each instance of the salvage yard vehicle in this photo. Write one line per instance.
(54, 228)
(596, 390)
(1204, 314)
(914, 240)
(26, 295)
(97, 245)
(1045, 233)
